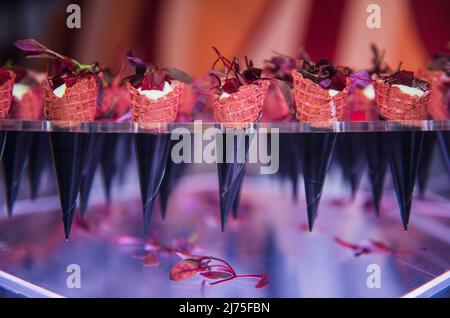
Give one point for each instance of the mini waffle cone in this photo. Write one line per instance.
(30, 106)
(147, 111)
(314, 104)
(437, 108)
(393, 104)
(244, 106)
(6, 95)
(360, 103)
(78, 103)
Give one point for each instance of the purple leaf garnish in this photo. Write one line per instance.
(406, 78)
(359, 79)
(324, 74)
(231, 86)
(325, 83)
(179, 75)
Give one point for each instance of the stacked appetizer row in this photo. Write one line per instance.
(284, 88)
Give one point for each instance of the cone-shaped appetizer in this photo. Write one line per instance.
(73, 91)
(321, 95)
(321, 92)
(155, 95)
(402, 96)
(238, 101)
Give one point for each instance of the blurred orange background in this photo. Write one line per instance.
(180, 33)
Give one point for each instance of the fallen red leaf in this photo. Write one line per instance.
(150, 259)
(185, 269)
(216, 275)
(263, 281)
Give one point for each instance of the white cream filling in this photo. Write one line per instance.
(155, 94)
(333, 92)
(224, 95)
(60, 91)
(413, 91)
(19, 90)
(369, 91)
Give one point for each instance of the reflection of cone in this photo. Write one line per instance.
(290, 163)
(244, 106)
(403, 150)
(393, 104)
(108, 163)
(231, 170)
(16, 151)
(316, 150)
(69, 155)
(39, 157)
(95, 148)
(313, 103)
(6, 95)
(377, 165)
(172, 174)
(444, 145)
(350, 156)
(79, 102)
(146, 110)
(423, 171)
(151, 154)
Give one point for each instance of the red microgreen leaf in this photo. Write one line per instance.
(216, 275)
(263, 281)
(185, 269)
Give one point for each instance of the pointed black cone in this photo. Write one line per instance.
(173, 173)
(423, 171)
(95, 148)
(16, 151)
(69, 152)
(290, 166)
(350, 156)
(39, 159)
(151, 154)
(403, 151)
(2, 143)
(444, 145)
(124, 155)
(237, 200)
(316, 150)
(108, 163)
(231, 170)
(377, 163)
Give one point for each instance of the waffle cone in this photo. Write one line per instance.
(6, 95)
(79, 102)
(162, 110)
(244, 106)
(393, 104)
(314, 104)
(30, 106)
(437, 109)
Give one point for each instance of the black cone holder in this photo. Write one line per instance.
(69, 152)
(15, 155)
(444, 145)
(39, 159)
(2, 143)
(152, 151)
(403, 151)
(349, 152)
(423, 171)
(316, 150)
(231, 171)
(377, 163)
(95, 149)
(108, 163)
(173, 173)
(290, 165)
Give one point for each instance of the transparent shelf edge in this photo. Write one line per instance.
(199, 126)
